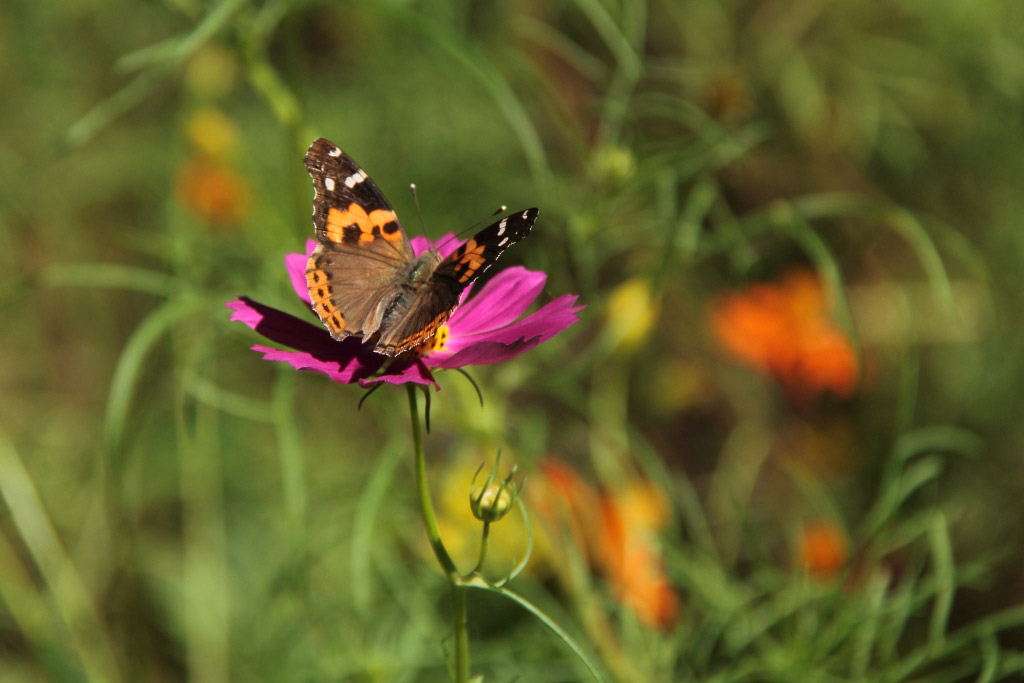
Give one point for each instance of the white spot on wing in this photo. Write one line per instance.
(525, 214)
(336, 152)
(501, 226)
(503, 242)
(355, 179)
(329, 184)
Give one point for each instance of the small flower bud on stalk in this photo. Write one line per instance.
(492, 501)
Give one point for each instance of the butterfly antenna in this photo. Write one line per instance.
(500, 210)
(416, 201)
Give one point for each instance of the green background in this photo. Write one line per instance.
(174, 507)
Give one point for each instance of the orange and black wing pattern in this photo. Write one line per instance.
(434, 303)
(363, 249)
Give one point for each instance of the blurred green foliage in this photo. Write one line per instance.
(173, 507)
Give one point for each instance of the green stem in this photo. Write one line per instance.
(459, 622)
(483, 548)
(460, 632)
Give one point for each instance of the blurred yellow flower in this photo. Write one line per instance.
(212, 133)
(631, 314)
(211, 73)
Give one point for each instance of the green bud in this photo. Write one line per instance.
(491, 503)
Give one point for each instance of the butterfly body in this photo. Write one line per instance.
(364, 277)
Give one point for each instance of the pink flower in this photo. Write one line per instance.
(485, 328)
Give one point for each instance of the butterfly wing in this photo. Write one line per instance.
(363, 249)
(433, 304)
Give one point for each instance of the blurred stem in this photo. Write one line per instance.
(293, 473)
(282, 102)
(478, 582)
(53, 581)
(460, 674)
(460, 632)
(485, 534)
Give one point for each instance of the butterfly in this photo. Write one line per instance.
(364, 278)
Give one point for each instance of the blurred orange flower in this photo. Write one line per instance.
(213, 191)
(629, 552)
(564, 500)
(823, 549)
(617, 532)
(784, 329)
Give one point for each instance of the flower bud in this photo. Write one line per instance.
(491, 503)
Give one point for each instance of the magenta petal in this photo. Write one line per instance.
(280, 327)
(295, 264)
(540, 325)
(445, 245)
(545, 322)
(344, 371)
(404, 371)
(510, 341)
(419, 245)
(504, 298)
(482, 353)
(343, 361)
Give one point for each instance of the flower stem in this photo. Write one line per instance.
(460, 632)
(460, 674)
(483, 548)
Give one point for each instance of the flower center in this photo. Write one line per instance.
(437, 342)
